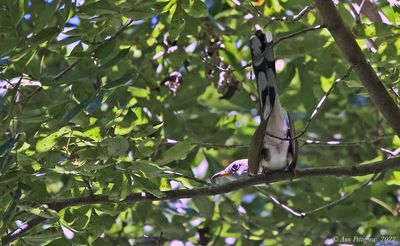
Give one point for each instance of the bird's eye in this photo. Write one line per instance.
(235, 168)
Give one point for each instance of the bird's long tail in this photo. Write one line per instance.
(262, 54)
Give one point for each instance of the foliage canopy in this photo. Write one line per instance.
(118, 97)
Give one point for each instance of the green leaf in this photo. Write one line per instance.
(105, 49)
(126, 79)
(139, 14)
(195, 8)
(45, 34)
(78, 108)
(143, 10)
(47, 143)
(114, 61)
(93, 133)
(149, 130)
(205, 206)
(396, 141)
(353, 83)
(326, 83)
(177, 152)
(165, 185)
(147, 185)
(45, 213)
(147, 167)
(115, 146)
(177, 24)
(16, 10)
(99, 7)
(142, 210)
(395, 179)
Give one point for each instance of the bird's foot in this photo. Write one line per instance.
(265, 173)
(293, 172)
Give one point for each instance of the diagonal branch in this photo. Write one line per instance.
(353, 54)
(355, 170)
(291, 18)
(294, 34)
(343, 198)
(22, 230)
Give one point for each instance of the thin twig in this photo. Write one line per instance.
(335, 143)
(391, 153)
(243, 6)
(22, 229)
(259, 13)
(329, 205)
(280, 204)
(160, 239)
(216, 145)
(336, 202)
(290, 18)
(67, 69)
(215, 65)
(339, 143)
(294, 34)
(384, 205)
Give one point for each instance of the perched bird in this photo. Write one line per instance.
(273, 146)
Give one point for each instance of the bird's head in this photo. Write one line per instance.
(234, 171)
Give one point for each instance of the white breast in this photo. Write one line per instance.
(277, 148)
(278, 157)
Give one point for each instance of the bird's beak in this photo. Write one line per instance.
(223, 173)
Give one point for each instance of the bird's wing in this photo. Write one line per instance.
(256, 146)
(293, 151)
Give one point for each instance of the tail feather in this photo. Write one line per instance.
(263, 57)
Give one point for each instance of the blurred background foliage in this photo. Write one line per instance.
(114, 97)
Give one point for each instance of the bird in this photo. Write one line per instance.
(274, 145)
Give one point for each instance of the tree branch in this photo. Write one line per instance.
(294, 34)
(340, 143)
(353, 54)
(21, 230)
(355, 170)
(67, 69)
(296, 17)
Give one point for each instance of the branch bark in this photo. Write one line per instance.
(353, 54)
(355, 170)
